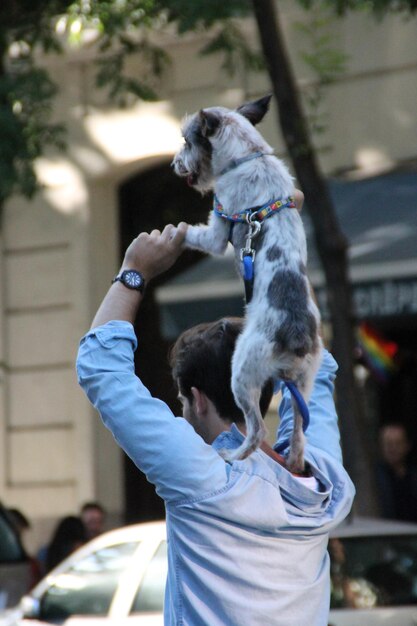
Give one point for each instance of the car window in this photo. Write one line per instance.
(150, 595)
(88, 586)
(10, 546)
(373, 571)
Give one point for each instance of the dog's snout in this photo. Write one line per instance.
(179, 166)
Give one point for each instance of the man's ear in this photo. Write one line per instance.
(200, 401)
(255, 111)
(209, 123)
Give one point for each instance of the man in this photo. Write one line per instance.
(247, 542)
(93, 516)
(396, 476)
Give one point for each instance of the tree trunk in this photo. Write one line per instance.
(331, 246)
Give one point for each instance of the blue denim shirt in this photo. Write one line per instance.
(247, 542)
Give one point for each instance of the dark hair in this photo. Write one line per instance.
(19, 519)
(202, 358)
(69, 534)
(93, 505)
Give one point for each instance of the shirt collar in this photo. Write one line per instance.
(228, 439)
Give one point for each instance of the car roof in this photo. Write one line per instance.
(133, 532)
(357, 526)
(352, 526)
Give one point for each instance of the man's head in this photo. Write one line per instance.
(92, 516)
(201, 360)
(394, 444)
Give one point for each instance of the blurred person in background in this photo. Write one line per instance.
(396, 475)
(22, 525)
(20, 521)
(69, 534)
(93, 517)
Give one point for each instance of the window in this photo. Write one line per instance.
(150, 595)
(373, 571)
(88, 586)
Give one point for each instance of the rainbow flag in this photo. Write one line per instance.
(377, 353)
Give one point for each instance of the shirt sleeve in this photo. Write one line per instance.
(167, 449)
(323, 430)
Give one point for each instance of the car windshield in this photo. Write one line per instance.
(88, 587)
(373, 571)
(150, 595)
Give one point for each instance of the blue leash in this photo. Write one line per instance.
(305, 413)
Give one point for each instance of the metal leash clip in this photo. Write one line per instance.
(253, 231)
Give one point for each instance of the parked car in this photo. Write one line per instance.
(374, 573)
(119, 578)
(16, 575)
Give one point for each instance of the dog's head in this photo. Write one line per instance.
(216, 135)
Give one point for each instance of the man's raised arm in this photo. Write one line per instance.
(150, 255)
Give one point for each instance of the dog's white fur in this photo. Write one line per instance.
(280, 336)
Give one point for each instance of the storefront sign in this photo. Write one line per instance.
(383, 299)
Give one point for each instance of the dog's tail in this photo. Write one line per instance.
(248, 401)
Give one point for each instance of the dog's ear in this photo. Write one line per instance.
(256, 110)
(209, 123)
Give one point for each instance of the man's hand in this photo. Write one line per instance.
(154, 253)
(150, 255)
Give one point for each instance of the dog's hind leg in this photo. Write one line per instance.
(250, 371)
(304, 382)
(295, 460)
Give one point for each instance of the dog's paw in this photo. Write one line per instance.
(295, 464)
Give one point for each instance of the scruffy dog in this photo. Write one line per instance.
(224, 152)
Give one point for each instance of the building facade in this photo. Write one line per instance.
(59, 252)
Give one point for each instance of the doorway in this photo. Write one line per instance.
(148, 200)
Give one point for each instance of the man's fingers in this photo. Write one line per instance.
(168, 232)
(299, 199)
(179, 234)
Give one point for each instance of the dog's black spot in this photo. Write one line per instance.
(288, 290)
(274, 253)
(288, 293)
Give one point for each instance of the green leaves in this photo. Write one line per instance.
(26, 96)
(194, 15)
(231, 42)
(118, 29)
(324, 58)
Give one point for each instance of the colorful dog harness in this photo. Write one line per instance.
(256, 214)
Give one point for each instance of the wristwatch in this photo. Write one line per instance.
(131, 279)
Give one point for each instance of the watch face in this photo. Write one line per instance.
(133, 279)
